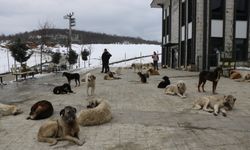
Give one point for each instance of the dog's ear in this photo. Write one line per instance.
(94, 77)
(62, 112)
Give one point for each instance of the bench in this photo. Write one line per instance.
(24, 74)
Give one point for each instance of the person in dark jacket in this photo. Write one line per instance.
(105, 60)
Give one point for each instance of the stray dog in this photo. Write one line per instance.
(143, 77)
(164, 83)
(234, 74)
(72, 76)
(137, 66)
(153, 72)
(178, 89)
(110, 76)
(90, 80)
(96, 115)
(64, 89)
(65, 128)
(215, 104)
(6, 110)
(211, 76)
(41, 110)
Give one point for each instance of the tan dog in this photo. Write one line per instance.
(178, 89)
(153, 72)
(6, 110)
(137, 66)
(234, 74)
(65, 128)
(110, 76)
(99, 114)
(90, 80)
(215, 104)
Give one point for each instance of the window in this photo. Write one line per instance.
(241, 9)
(190, 10)
(215, 45)
(241, 49)
(217, 9)
(183, 14)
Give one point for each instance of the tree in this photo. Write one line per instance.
(19, 51)
(72, 57)
(56, 57)
(85, 53)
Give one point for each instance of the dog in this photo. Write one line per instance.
(165, 83)
(110, 76)
(215, 104)
(41, 110)
(90, 80)
(153, 72)
(211, 76)
(178, 89)
(143, 77)
(6, 110)
(234, 74)
(137, 66)
(64, 89)
(72, 76)
(98, 114)
(65, 128)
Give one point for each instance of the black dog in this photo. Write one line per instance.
(71, 76)
(143, 77)
(41, 110)
(64, 89)
(165, 83)
(211, 76)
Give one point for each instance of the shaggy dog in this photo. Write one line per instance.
(95, 116)
(153, 72)
(211, 76)
(137, 66)
(90, 80)
(6, 110)
(215, 104)
(65, 128)
(64, 89)
(234, 74)
(178, 89)
(143, 77)
(72, 76)
(164, 83)
(110, 76)
(41, 110)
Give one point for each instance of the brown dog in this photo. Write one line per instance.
(41, 110)
(210, 76)
(153, 72)
(65, 128)
(90, 80)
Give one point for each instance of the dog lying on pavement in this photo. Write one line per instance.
(64, 89)
(41, 110)
(177, 89)
(6, 110)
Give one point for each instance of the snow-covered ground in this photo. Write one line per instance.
(118, 52)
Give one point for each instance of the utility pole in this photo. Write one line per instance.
(72, 23)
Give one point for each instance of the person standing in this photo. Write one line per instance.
(155, 60)
(105, 61)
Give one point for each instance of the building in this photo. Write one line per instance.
(204, 33)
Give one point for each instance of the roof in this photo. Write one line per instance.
(158, 3)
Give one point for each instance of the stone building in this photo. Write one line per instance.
(204, 33)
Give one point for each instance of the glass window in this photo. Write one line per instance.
(217, 9)
(183, 14)
(190, 10)
(241, 9)
(241, 49)
(215, 46)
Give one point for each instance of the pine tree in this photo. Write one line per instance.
(72, 57)
(19, 51)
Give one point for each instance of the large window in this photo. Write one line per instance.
(183, 14)
(217, 9)
(241, 49)
(241, 9)
(190, 10)
(215, 47)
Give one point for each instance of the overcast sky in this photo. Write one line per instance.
(121, 17)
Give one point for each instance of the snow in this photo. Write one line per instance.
(118, 52)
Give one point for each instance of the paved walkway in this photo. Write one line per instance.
(144, 118)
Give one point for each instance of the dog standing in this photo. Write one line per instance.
(165, 83)
(72, 76)
(65, 128)
(210, 76)
(64, 89)
(90, 80)
(41, 110)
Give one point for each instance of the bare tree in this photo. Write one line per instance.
(44, 38)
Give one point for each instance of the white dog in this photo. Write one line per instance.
(90, 80)
(178, 89)
(6, 110)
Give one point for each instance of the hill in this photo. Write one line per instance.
(60, 36)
